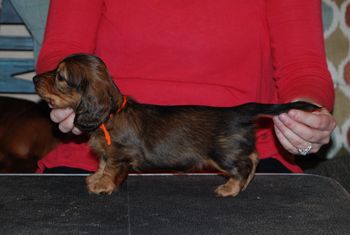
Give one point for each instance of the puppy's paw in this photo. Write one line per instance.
(103, 185)
(227, 190)
(93, 178)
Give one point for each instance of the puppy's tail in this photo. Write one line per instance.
(257, 109)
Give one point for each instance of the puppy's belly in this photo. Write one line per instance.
(167, 163)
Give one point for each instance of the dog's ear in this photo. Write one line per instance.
(97, 102)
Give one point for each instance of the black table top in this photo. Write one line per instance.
(185, 204)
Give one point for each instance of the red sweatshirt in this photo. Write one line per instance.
(204, 52)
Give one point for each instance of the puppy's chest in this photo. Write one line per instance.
(103, 142)
(98, 143)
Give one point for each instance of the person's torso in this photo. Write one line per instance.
(185, 51)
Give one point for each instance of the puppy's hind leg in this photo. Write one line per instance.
(254, 158)
(240, 174)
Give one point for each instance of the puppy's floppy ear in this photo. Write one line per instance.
(89, 76)
(98, 101)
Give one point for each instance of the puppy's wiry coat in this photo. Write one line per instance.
(148, 137)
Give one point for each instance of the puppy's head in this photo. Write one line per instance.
(83, 83)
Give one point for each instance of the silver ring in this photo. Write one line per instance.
(306, 150)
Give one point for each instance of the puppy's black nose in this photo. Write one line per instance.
(36, 79)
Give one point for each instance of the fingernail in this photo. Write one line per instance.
(275, 119)
(63, 128)
(292, 113)
(76, 131)
(283, 116)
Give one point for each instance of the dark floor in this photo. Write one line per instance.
(337, 168)
(272, 204)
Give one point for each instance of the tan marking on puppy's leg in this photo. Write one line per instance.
(104, 184)
(121, 175)
(231, 188)
(234, 186)
(110, 180)
(254, 157)
(97, 175)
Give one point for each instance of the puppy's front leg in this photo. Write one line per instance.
(107, 179)
(91, 179)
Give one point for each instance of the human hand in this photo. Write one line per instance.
(301, 132)
(65, 118)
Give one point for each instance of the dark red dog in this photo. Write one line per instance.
(26, 134)
(146, 137)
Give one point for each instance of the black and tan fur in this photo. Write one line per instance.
(148, 137)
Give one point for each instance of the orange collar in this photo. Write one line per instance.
(103, 127)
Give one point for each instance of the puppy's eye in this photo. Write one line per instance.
(60, 78)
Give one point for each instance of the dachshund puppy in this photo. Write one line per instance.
(129, 135)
